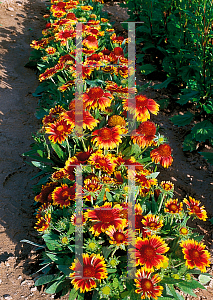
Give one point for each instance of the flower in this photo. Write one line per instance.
(59, 131)
(104, 216)
(90, 42)
(92, 245)
(43, 223)
(167, 186)
(141, 106)
(106, 291)
(96, 97)
(107, 137)
(152, 222)
(45, 195)
(195, 254)
(173, 207)
(50, 50)
(113, 262)
(146, 284)
(64, 35)
(91, 185)
(149, 252)
(118, 237)
(106, 163)
(88, 121)
(162, 155)
(146, 133)
(195, 209)
(94, 267)
(116, 120)
(62, 195)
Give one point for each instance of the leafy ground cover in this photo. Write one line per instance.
(92, 155)
(176, 40)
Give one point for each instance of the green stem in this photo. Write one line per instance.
(85, 149)
(68, 147)
(161, 203)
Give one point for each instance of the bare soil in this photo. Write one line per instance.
(21, 22)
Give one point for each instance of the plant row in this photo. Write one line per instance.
(110, 230)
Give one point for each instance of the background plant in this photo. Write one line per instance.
(176, 38)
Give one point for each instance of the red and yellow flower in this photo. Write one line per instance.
(106, 163)
(45, 196)
(43, 223)
(152, 222)
(173, 207)
(104, 216)
(149, 252)
(146, 284)
(194, 207)
(195, 254)
(162, 155)
(88, 121)
(146, 133)
(62, 195)
(107, 138)
(90, 42)
(118, 236)
(95, 97)
(59, 131)
(141, 106)
(94, 268)
(167, 186)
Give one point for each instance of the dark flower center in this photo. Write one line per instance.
(119, 237)
(146, 285)
(88, 271)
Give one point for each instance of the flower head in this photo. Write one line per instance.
(162, 155)
(195, 208)
(107, 137)
(146, 133)
(152, 222)
(118, 237)
(62, 195)
(104, 216)
(146, 284)
(173, 207)
(106, 163)
(95, 97)
(195, 254)
(141, 106)
(94, 268)
(59, 131)
(149, 252)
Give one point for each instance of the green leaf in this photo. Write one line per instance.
(182, 120)
(65, 269)
(80, 296)
(106, 251)
(190, 96)
(208, 156)
(58, 150)
(208, 106)
(73, 294)
(71, 229)
(203, 131)
(170, 280)
(175, 294)
(189, 143)
(109, 196)
(147, 69)
(111, 270)
(186, 289)
(101, 196)
(195, 284)
(55, 287)
(153, 175)
(115, 283)
(204, 279)
(46, 279)
(41, 113)
(164, 84)
(61, 79)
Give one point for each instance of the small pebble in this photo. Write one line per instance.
(10, 8)
(34, 289)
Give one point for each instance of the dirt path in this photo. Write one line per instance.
(22, 22)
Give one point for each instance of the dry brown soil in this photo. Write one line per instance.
(21, 22)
